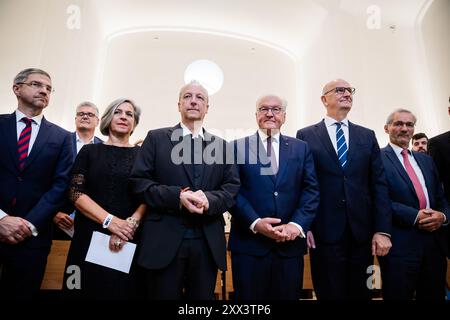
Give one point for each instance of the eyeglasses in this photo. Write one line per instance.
(275, 110)
(89, 114)
(341, 90)
(38, 85)
(400, 124)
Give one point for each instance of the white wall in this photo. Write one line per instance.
(435, 28)
(407, 67)
(151, 71)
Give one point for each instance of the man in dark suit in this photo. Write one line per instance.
(353, 221)
(86, 120)
(439, 147)
(274, 208)
(416, 263)
(182, 175)
(34, 167)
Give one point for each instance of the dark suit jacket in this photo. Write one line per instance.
(291, 195)
(356, 193)
(74, 143)
(39, 188)
(158, 181)
(405, 204)
(439, 148)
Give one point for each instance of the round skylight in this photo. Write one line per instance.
(208, 73)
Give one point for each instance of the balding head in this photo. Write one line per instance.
(337, 97)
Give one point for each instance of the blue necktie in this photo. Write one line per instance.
(341, 145)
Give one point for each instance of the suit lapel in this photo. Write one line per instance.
(74, 145)
(399, 167)
(283, 160)
(352, 136)
(324, 138)
(40, 142)
(10, 134)
(187, 168)
(207, 168)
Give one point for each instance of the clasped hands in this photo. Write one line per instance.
(430, 220)
(122, 231)
(194, 202)
(279, 233)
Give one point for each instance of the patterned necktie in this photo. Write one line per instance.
(341, 145)
(24, 142)
(271, 155)
(414, 179)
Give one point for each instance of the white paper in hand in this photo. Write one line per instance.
(99, 253)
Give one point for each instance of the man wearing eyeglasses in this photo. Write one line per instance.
(34, 167)
(86, 120)
(274, 209)
(353, 222)
(416, 264)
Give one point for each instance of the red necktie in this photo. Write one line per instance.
(416, 183)
(24, 142)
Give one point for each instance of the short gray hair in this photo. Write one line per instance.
(284, 102)
(22, 76)
(193, 83)
(390, 118)
(108, 115)
(87, 104)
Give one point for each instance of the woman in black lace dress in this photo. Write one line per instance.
(99, 190)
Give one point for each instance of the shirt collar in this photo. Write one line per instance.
(91, 141)
(329, 121)
(398, 150)
(186, 131)
(264, 136)
(36, 119)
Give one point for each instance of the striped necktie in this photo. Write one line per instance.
(341, 145)
(24, 142)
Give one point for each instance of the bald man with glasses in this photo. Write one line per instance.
(353, 222)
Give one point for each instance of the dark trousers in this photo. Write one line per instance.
(22, 271)
(420, 274)
(191, 275)
(339, 270)
(270, 277)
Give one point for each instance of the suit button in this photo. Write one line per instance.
(343, 200)
(19, 179)
(275, 193)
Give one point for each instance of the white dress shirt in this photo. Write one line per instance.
(330, 124)
(416, 169)
(276, 148)
(81, 143)
(187, 131)
(20, 125)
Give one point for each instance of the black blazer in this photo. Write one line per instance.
(39, 188)
(356, 193)
(439, 148)
(157, 180)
